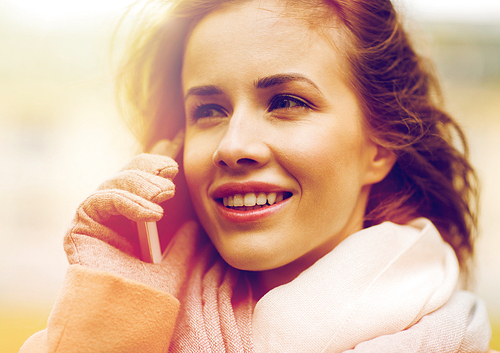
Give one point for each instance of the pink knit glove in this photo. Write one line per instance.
(104, 236)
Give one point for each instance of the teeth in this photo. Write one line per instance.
(252, 201)
(271, 198)
(238, 200)
(261, 199)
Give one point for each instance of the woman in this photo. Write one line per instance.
(339, 215)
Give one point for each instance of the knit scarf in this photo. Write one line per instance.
(387, 288)
(216, 308)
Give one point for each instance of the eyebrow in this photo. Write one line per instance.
(262, 83)
(209, 90)
(280, 79)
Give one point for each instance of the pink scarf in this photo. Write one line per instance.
(388, 288)
(216, 308)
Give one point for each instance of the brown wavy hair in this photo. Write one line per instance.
(397, 90)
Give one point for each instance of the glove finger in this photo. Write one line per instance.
(108, 216)
(154, 164)
(103, 204)
(151, 187)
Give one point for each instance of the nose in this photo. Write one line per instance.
(242, 145)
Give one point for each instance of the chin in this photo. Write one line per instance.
(250, 259)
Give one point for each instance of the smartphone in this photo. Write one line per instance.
(149, 240)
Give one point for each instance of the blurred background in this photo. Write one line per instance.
(61, 134)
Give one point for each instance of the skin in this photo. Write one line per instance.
(266, 100)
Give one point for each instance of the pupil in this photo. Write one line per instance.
(285, 103)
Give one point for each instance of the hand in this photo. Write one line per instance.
(179, 209)
(103, 234)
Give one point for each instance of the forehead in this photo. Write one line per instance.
(260, 36)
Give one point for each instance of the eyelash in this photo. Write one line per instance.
(300, 103)
(198, 112)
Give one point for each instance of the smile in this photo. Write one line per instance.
(251, 201)
(261, 206)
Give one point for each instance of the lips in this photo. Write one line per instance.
(249, 196)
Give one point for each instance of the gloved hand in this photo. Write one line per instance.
(103, 234)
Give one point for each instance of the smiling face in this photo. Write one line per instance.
(276, 159)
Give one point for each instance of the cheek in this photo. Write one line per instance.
(197, 164)
(328, 164)
(323, 153)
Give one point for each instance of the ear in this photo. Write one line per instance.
(379, 164)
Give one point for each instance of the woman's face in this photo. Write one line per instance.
(276, 159)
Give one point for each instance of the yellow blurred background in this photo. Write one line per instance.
(61, 135)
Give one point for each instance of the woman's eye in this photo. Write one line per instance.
(208, 111)
(287, 102)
